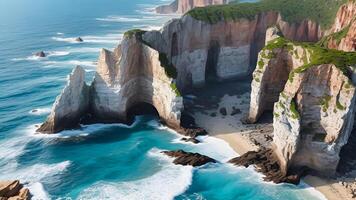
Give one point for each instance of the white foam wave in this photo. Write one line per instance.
(40, 111)
(70, 63)
(119, 19)
(105, 39)
(33, 175)
(83, 131)
(85, 50)
(58, 53)
(167, 183)
(29, 58)
(59, 33)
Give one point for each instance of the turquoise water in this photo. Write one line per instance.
(98, 161)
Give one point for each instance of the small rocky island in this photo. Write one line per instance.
(303, 71)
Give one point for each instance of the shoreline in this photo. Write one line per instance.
(243, 138)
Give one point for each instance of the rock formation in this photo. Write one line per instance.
(224, 50)
(182, 6)
(313, 101)
(13, 190)
(70, 105)
(40, 54)
(342, 35)
(132, 74)
(187, 158)
(79, 39)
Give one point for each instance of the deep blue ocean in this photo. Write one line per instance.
(98, 161)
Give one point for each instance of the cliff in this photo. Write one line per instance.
(182, 6)
(13, 190)
(70, 105)
(134, 73)
(312, 97)
(343, 33)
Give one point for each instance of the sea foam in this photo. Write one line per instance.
(167, 183)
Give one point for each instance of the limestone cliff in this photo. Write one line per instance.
(182, 6)
(313, 118)
(342, 35)
(223, 50)
(313, 100)
(70, 105)
(134, 73)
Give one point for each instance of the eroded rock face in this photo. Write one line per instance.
(226, 49)
(271, 74)
(13, 190)
(182, 6)
(313, 119)
(187, 158)
(342, 35)
(130, 75)
(70, 105)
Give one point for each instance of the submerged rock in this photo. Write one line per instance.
(193, 140)
(40, 54)
(187, 158)
(13, 190)
(79, 39)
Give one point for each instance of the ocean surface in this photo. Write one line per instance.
(98, 161)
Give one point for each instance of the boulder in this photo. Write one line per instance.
(13, 190)
(79, 39)
(40, 54)
(187, 158)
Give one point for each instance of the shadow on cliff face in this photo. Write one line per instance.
(347, 161)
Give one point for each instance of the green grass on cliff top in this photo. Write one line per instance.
(292, 11)
(318, 55)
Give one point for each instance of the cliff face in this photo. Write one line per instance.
(342, 35)
(223, 50)
(313, 103)
(313, 119)
(133, 74)
(70, 105)
(182, 6)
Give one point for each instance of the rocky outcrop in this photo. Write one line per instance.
(40, 54)
(342, 35)
(187, 158)
(13, 190)
(267, 163)
(70, 106)
(313, 118)
(132, 74)
(312, 97)
(182, 6)
(272, 72)
(223, 50)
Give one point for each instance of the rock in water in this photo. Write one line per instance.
(40, 54)
(79, 39)
(187, 158)
(13, 190)
(267, 163)
(70, 105)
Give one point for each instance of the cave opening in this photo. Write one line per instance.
(141, 108)
(212, 62)
(347, 155)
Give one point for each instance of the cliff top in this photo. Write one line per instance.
(318, 55)
(320, 11)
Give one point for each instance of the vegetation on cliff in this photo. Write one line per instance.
(134, 32)
(292, 11)
(318, 55)
(337, 37)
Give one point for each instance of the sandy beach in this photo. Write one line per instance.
(223, 120)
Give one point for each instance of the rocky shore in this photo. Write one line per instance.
(13, 190)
